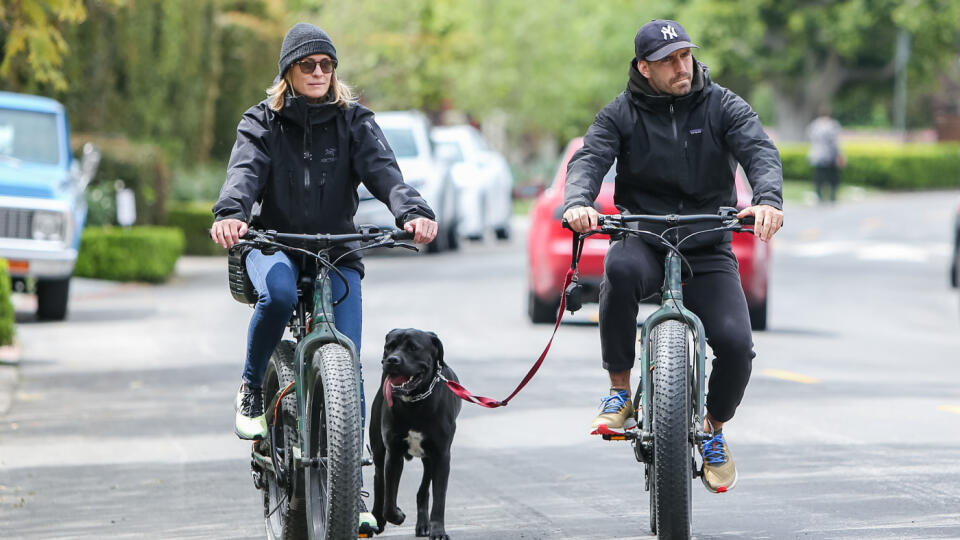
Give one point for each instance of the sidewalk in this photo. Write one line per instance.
(9, 374)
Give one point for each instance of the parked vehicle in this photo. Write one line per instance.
(42, 204)
(549, 248)
(955, 264)
(483, 179)
(408, 134)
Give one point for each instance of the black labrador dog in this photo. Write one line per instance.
(414, 414)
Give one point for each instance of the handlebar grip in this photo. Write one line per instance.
(400, 234)
(746, 220)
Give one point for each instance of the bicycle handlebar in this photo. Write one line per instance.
(326, 240)
(725, 216)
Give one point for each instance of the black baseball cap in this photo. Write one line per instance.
(658, 38)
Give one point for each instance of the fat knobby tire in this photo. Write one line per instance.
(671, 430)
(285, 513)
(333, 417)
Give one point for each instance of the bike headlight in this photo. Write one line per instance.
(48, 226)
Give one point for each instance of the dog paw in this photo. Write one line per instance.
(396, 516)
(437, 531)
(423, 530)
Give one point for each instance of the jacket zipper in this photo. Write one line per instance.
(673, 123)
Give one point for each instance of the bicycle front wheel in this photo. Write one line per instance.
(672, 417)
(335, 443)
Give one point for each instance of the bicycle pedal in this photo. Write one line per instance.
(625, 436)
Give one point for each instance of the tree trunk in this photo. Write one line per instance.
(798, 102)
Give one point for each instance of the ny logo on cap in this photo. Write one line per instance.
(668, 32)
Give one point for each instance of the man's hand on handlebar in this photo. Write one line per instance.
(767, 220)
(227, 232)
(582, 218)
(424, 230)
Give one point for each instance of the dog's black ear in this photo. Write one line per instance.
(438, 346)
(392, 336)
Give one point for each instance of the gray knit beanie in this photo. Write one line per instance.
(303, 40)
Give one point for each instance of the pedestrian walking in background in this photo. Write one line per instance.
(824, 155)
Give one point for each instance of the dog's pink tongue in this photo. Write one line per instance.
(388, 384)
(388, 391)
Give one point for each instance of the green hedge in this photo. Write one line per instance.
(142, 167)
(6, 306)
(129, 254)
(194, 219)
(885, 165)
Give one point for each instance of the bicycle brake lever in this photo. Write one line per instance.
(411, 247)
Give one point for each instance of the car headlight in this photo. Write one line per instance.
(48, 226)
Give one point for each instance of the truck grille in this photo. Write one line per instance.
(16, 223)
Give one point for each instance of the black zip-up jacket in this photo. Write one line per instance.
(676, 154)
(297, 170)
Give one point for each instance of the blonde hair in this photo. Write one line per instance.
(340, 93)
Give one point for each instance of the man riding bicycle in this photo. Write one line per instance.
(677, 138)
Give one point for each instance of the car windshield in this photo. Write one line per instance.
(402, 141)
(451, 150)
(29, 136)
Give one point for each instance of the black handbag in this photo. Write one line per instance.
(237, 279)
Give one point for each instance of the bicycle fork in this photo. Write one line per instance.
(671, 308)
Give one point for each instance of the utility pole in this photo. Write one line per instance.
(900, 60)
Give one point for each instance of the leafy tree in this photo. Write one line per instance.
(808, 52)
(33, 45)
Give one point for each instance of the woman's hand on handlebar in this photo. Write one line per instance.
(227, 232)
(767, 220)
(424, 230)
(582, 218)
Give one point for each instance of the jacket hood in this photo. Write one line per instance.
(640, 89)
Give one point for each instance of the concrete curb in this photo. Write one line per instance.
(9, 375)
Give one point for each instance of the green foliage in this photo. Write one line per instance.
(157, 61)
(6, 306)
(129, 254)
(141, 167)
(812, 51)
(31, 39)
(885, 165)
(193, 220)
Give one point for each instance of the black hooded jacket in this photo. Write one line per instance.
(297, 170)
(675, 154)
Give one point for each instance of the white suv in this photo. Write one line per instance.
(408, 133)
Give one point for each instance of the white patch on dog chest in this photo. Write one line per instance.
(414, 443)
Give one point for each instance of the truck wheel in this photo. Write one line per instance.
(52, 298)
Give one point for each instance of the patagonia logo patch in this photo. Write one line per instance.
(696, 131)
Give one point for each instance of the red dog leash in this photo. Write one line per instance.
(491, 403)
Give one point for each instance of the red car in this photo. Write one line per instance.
(549, 246)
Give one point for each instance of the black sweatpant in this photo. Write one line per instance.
(633, 270)
(826, 180)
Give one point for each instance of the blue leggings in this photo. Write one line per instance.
(275, 279)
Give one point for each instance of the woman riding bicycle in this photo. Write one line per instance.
(299, 157)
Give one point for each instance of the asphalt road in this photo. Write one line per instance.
(120, 426)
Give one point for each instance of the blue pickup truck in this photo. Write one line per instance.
(42, 204)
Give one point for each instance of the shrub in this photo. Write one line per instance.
(6, 306)
(143, 167)
(129, 254)
(194, 219)
(885, 165)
